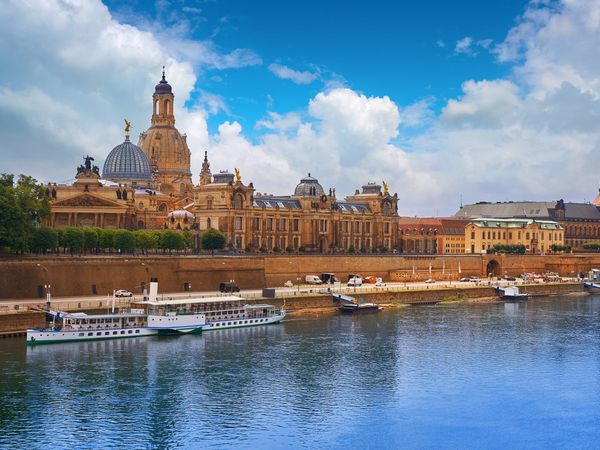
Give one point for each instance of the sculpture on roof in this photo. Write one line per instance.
(238, 176)
(386, 189)
(127, 128)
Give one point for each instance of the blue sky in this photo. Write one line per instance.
(404, 49)
(488, 101)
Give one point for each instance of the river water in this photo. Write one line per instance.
(449, 376)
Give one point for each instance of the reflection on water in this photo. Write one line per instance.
(507, 374)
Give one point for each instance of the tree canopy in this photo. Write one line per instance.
(23, 205)
(213, 240)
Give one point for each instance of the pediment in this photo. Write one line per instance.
(86, 200)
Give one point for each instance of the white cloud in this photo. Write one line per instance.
(71, 72)
(464, 45)
(298, 77)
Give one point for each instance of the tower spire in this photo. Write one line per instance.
(163, 77)
(205, 175)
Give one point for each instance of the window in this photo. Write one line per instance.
(238, 201)
(296, 224)
(282, 224)
(209, 204)
(472, 235)
(386, 227)
(238, 223)
(322, 225)
(256, 223)
(345, 226)
(527, 236)
(367, 227)
(269, 224)
(357, 227)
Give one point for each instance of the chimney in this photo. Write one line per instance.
(153, 289)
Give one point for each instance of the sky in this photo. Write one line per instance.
(471, 100)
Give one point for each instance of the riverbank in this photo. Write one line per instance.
(16, 321)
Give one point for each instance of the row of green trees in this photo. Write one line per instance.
(592, 246)
(560, 248)
(516, 249)
(23, 204)
(100, 240)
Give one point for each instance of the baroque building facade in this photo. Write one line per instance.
(150, 186)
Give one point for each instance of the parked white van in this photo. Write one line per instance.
(313, 279)
(355, 281)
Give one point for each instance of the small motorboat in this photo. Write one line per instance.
(349, 304)
(510, 293)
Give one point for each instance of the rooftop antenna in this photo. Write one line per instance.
(461, 203)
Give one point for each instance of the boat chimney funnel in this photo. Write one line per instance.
(153, 289)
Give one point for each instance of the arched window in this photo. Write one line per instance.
(208, 223)
(167, 107)
(140, 225)
(162, 207)
(238, 201)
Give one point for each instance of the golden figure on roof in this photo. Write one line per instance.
(238, 176)
(386, 189)
(127, 127)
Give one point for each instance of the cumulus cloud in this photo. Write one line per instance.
(531, 135)
(464, 45)
(296, 76)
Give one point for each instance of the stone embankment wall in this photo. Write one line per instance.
(22, 278)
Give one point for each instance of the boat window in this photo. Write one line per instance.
(99, 333)
(137, 331)
(122, 331)
(106, 333)
(81, 334)
(90, 334)
(115, 332)
(130, 331)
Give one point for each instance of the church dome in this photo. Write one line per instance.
(127, 162)
(309, 186)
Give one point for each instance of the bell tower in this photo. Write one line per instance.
(162, 101)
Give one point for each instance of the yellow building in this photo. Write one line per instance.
(536, 235)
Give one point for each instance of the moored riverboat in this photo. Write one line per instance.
(157, 317)
(510, 293)
(592, 285)
(349, 304)
(68, 327)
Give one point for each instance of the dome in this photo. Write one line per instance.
(181, 214)
(163, 87)
(309, 186)
(127, 162)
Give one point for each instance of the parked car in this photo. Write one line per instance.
(354, 275)
(288, 284)
(429, 281)
(379, 282)
(370, 280)
(313, 279)
(355, 281)
(123, 293)
(229, 286)
(329, 278)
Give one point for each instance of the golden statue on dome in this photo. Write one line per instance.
(127, 128)
(386, 189)
(238, 176)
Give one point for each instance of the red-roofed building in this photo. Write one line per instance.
(432, 235)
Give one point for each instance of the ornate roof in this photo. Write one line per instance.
(309, 186)
(163, 87)
(127, 162)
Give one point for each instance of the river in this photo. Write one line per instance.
(458, 375)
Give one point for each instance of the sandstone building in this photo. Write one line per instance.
(150, 186)
(536, 235)
(580, 221)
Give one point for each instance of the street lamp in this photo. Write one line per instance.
(47, 286)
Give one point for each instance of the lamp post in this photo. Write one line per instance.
(47, 286)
